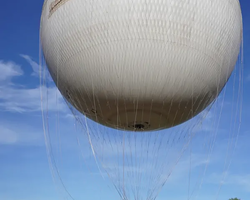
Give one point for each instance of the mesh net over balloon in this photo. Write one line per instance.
(138, 163)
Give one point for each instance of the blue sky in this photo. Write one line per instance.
(24, 168)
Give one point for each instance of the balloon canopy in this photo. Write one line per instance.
(140, 65)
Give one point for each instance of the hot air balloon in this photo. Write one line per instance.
(140, 65)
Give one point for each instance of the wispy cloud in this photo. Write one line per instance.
(242, 180)
(33, 64)
(14, 98)
(29, 99)
(231, 179)
(23, 134)
(9, 70)
(7, 136)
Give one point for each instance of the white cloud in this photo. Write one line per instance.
(7, 136)
(9, 70)
(14, 98)
(242, 180)
(35, 66)
(29, 99)
(21, 134)
(231, 179)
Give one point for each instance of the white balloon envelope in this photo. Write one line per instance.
(141, 65)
